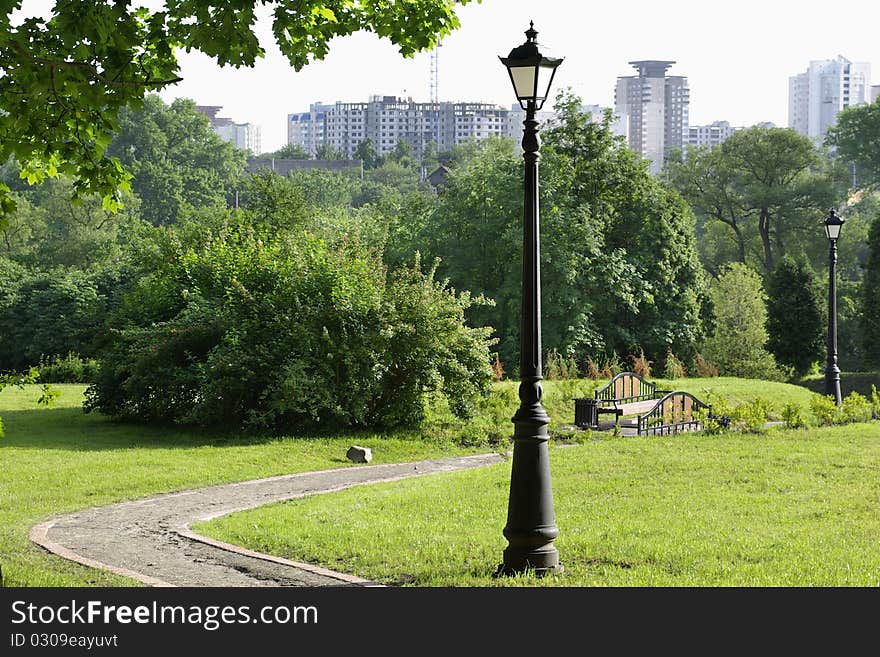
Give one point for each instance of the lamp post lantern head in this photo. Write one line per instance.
(530, 72)
(833, 224)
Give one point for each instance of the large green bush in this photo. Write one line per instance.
(737, 344)
(278, 330)
(46, 314)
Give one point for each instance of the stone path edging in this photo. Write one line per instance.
(150, 540)
(39, 534)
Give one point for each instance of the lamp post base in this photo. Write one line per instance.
(531, 523)
(832, 385)
(540, 562)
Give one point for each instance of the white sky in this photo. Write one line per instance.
(737, 57)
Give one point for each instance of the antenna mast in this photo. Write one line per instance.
(435, 93)
(435, 72)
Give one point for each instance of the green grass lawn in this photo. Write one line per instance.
(785, 508)
(59, 460)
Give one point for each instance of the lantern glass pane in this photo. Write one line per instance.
(832, 231)
(523, 81)
(545, 76)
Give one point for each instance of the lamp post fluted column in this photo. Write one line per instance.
(531, 521)
(832, 371)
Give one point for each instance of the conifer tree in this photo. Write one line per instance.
(871, 299)
(795, 314)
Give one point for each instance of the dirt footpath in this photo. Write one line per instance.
(150, 540)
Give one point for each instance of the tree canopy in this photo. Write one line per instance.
(795, 315)
(175, 158)
(67, 77)
(756, 192)
(871, 299)
(619, 265)
(857, 139)
(737, 344)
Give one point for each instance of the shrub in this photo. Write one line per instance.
(611, 366)
(673, 368)
(271, 331)
(716, 420)
(792, 415)
(497, 369)
(711, 423)
(641, 365)
(824, 409)
(855, 408)
(751, 416)
(593, 371)
(875, 402)
(720, 405)
(705, 369)
(70, 369)
(558, 366)
(737, 344)
(49, 314)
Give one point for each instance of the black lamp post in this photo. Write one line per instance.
(833, 224)
(531, 522)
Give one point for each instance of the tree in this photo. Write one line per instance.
(366, 153)
(871, 299)
(737, 344)
(327, 152)
(47, 314)
(402, 153)
(707, 181)
(175, 158)
(66, 78)
(763, 184)
(795, 315)
(286, 152)
(856, 136)
(619, 266)
(47, 230)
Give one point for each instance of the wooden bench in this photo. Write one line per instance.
(626, 394)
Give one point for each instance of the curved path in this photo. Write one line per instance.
(150, 540)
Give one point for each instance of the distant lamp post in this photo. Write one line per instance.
(832, 224)
(531, 523)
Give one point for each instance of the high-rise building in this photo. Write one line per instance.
(828, 86)
(244, 135)
(653, 110)
(385, 120)
(875, 93)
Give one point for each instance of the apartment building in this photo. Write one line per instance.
(710, 135)
(385, 120)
